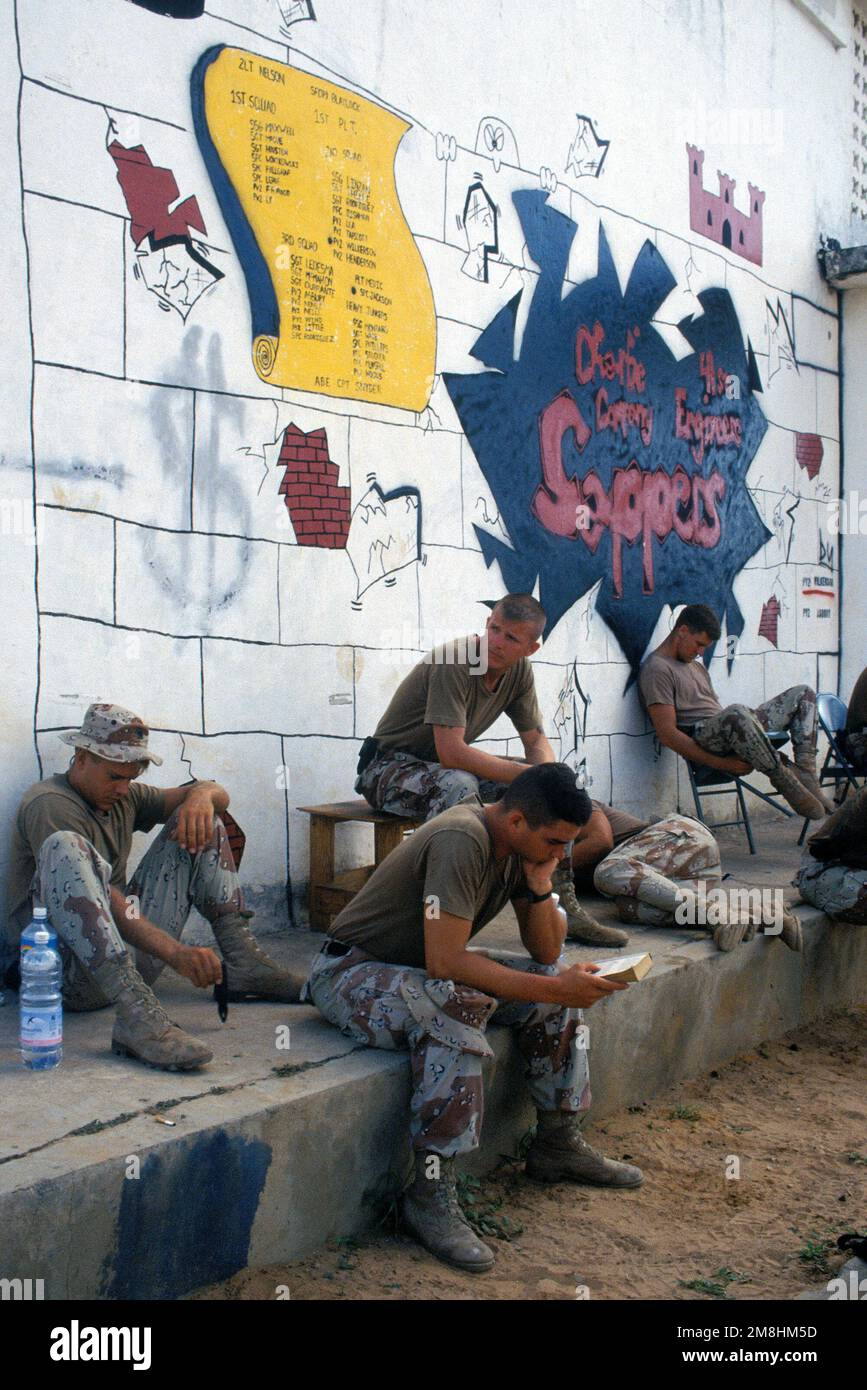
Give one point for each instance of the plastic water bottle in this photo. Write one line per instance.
(28, 936)
(40, 1001)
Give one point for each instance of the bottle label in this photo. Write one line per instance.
(42, 1027)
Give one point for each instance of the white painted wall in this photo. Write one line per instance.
(854, 489)
(167, 577)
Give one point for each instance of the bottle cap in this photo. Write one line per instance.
(40, 914)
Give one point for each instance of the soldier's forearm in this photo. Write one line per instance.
(137, 931)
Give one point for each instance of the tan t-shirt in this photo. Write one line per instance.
(54, 805)
(445, 688)
(447, 865)
(684, 684)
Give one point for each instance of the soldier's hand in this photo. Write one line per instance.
(538, 876)
(736, 766)
(199, 964)
(582, 986)
(195, 822)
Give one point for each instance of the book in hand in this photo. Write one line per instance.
(629, 969)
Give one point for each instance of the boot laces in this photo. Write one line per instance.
(141, 996)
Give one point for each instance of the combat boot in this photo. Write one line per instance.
(560, 1152)
(432, 1213)
(580, 926)
(792, 934)
(252, 973)
(807, 778)
(793, 790)
(142, 1028)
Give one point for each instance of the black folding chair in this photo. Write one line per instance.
(709, 781)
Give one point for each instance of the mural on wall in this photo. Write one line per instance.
(294, 11)
(570, 717)
(781, 344)
(319, 507)
(496, 139)
(587, 152)
(715, 216)
(384, 535)
(479, 224)
(303, 171)
(174, 9)
(171, 262)
(769, 619)
(809, 451)
(754, 380)
(606, 457)
(781, 511)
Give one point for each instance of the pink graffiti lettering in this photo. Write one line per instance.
(622, 365)
(623, 416)
(641, 503)
(704, 431)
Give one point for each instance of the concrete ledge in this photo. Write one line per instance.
(276, 1151)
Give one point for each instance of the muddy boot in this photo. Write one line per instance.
(728, 935)
(431, 1212)
(580, 926)
(252, 973)
(792, 934)
(142, 1028)
(560, 1152)
(807, 778)
(793, 790)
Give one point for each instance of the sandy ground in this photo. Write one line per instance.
(790, 1117)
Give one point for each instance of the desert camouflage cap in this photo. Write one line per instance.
(113, 733)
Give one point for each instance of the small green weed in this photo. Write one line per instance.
(716, 1286)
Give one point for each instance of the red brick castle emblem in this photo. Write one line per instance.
(715, 216)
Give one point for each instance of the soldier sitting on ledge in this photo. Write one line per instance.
(70, 844)
(396, 972)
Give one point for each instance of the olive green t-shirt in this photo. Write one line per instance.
(684, 684)
(447, 865)
(447, 688)
(54, 805)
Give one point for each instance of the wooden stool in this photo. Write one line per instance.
(329, 893)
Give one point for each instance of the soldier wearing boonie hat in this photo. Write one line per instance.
(110, 732)
(70, 845)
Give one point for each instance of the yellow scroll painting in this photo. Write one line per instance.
(304, 173)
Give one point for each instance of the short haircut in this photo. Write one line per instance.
(699, 618)
(523, 608)
(548, 793)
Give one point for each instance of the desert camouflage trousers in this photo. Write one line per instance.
(650, 874)
(405, 785)
(739, 731)
(834, 888)
(73, 881)
(443, 1026)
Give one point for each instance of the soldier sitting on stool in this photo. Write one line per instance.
(421, 759)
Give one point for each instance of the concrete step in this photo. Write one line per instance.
(288, 1140)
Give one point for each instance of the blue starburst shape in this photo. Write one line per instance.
(607, 457)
